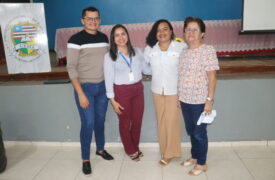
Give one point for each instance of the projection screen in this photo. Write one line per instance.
(258, 16)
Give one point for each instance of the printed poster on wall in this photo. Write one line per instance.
(25, 37)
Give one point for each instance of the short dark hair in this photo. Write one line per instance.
(91, 8)
(113, 47)
(151, 39)
(194, 19)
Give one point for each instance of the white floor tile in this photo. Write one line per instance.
(68, 153)
(219, 153)
(255, 152)
(59, 170)
(261, 169)
(271, 143)
(102, 170)
(174, 171)
(227, 169)
(25, 169)
(272, 148)
(142, 170)
(28, 162)
(41, 152)
(16, 151)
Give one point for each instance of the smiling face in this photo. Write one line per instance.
(120, 37)
(91, 21)
(192, 33)
(164, 33)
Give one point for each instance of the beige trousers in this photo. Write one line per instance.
(169, 124)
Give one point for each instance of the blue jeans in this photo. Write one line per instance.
(92, 118)
(198, 134)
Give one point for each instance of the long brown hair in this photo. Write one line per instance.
(113, 46)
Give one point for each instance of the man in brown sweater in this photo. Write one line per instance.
(85, 56)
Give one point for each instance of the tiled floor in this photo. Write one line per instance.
(54, 163)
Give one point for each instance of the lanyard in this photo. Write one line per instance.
(125, 59)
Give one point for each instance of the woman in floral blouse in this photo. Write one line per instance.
(196, 87)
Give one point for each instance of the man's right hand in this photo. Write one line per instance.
(83, 101)
(82, 98)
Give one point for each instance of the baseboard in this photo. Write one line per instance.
(154, 144)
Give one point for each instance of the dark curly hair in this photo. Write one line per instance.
(151, 39)
(113, 47)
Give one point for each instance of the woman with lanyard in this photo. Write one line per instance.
(123, 67)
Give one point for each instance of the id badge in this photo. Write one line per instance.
(131, 76)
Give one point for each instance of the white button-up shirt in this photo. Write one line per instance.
(164, 65)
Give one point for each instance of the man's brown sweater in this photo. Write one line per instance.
(85, 56)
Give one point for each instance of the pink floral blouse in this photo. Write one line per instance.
(193, 79)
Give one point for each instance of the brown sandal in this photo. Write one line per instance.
(189, 162)
(198, 170)
(164, 161)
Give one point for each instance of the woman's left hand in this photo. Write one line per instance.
(208, 107)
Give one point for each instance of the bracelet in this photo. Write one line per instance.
(210, 99)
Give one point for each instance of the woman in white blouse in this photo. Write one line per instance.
(162, 53)
(123, 67)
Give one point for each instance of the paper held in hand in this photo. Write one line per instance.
(207, 118)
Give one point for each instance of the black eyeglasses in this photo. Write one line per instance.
(92, 18)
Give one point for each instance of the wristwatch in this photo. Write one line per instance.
(209, 99)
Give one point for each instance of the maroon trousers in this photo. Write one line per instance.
(131, 98)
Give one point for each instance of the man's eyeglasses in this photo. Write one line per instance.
(89, 19)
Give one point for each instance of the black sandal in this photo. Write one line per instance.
(140, 154)
(135, 157)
